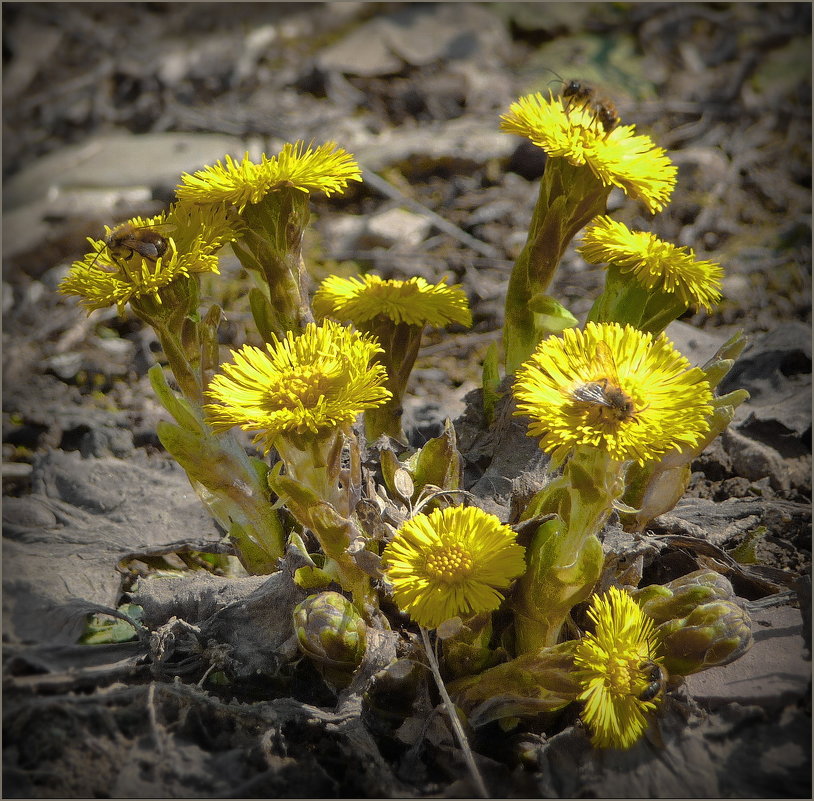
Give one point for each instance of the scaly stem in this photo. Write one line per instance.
(185, 374)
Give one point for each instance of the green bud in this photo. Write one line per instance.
(721, 362)
(656, 487)
(467, 651)
(332, 633)
(680, 597)
(552, 315)
(713, 634)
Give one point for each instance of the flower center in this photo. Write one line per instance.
(303, 388)
(621, 675)
(448, 563)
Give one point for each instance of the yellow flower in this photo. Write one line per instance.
(324, 169)
(622, 679)
(614, 388)
(654, 263)
(143, 255)
(617, 158)
(451, 562)
(307, 383)
(414, 301)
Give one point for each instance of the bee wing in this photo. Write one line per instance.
(145, 248)
(163, 228)
(591, 393)
(604, 357)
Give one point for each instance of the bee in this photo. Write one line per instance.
(656, 680)
(606, 392)
(579, 91)
(584, 95)
(126, 241)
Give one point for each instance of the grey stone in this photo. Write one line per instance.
(117, 161)
(467, 140)
(398, 227)
(419, 34)
(775, 368)
(754, 460)
(363, 52)
(103, 511)
(697, 345)
(33, 46)
(192, 598)
(773, 673)
(342, 234)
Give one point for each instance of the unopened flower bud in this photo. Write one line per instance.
(332, 633)
(678, 598)
(713, 634)
(467, 651)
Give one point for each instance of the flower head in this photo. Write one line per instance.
(451, 562)
(654, 263)
(318, 380)
(414, 301)
(327, 169)
(332, 633)
(622, 679)
(141, 256)
(614, 388)
(617, 157)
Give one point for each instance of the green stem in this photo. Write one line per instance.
(400, 342)
(569, 198)
(188, 378)
(272, 246)
(565, 557)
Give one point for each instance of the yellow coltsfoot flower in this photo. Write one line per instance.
(414, 301)
(395, 312)
(272, 200)
(576, 132)
(616, 665)
(654, 263)
(451, 562)
(327, 169)
(318, 380)
(615, 388)
(140, 257)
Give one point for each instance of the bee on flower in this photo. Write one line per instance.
(613, 387)
(617, 157)
(140, 259)
(622, 680)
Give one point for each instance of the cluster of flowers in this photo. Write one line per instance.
(618, 409)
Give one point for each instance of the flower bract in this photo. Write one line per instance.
(616, 666)
(115, 273)
(318, 380)
(617, 158)
(654, 263)
(451, 562)
(327, 169)
(614, 388)
(413, 301)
